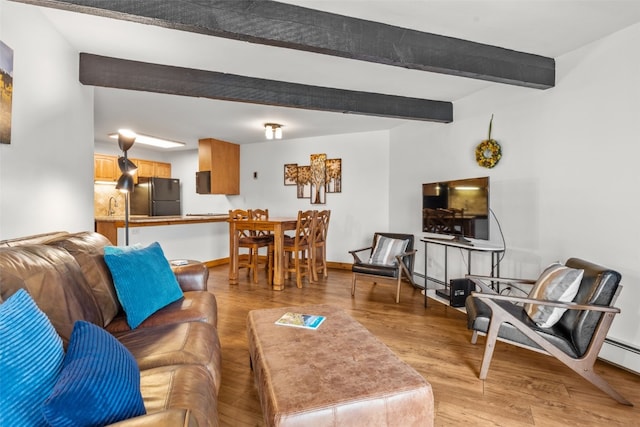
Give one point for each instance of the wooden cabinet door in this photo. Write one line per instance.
(105, 167)
(223, 160)
(146, 168)
(163, 170)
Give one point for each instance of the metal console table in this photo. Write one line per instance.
(475, 246)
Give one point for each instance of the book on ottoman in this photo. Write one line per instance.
(298, 320)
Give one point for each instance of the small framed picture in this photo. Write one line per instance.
(291, 174)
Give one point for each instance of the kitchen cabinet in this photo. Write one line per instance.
(105, 167)
(151, 169)
(145, 167)
(162, 170)
(222, 160)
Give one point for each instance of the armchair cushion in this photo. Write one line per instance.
(556, 283)
(143, 280)
(386, 250)
(376, 270)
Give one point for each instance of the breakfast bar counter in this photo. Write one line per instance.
(108, 225)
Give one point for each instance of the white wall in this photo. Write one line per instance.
(567, 184)
(46, 173)
(361, 208)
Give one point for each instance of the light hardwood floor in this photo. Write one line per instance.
(523, 388)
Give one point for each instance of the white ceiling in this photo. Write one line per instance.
(548, 28)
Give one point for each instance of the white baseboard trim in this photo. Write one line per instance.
(621, 354)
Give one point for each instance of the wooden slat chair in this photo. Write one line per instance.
(297, 249)
(319, 246)
(575, 340)
(264, 237)
(248, 240)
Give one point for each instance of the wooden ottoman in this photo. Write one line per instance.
(336, 375)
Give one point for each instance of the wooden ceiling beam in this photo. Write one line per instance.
(109, 72)
(284, 25)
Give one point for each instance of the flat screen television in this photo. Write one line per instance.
(459, 208)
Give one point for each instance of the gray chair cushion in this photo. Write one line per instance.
(479, 315)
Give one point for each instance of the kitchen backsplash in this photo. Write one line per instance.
(102, 193)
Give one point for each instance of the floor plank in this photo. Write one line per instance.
(523, 388)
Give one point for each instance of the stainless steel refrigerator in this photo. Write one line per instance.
(156, 197)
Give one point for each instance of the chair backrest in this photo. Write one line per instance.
(599, 286)
(259, 214)
(240, 214)
(322, 226)
(408, 260)
(304, 227)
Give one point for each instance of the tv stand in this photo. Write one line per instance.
(486, 247)
(459, 238)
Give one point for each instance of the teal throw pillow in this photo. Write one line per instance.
(31, 356)
(99, 383)
(143, 280)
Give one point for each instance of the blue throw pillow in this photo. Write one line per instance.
(31, 356)
(99, 383)
(143, 280)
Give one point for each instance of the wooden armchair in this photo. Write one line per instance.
(575, 340)
(396, 265)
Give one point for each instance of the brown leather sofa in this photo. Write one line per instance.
(177, 348)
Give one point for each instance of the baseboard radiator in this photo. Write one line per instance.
(623, 346)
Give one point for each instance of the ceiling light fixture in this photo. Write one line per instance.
(273, 131)
(152, 140)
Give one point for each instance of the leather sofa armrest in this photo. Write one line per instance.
(168, 418)
(192, 275)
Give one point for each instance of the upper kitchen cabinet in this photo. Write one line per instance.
(222, 160)
(105, 167)
(145, 167)
(162, 170)
(151, 169)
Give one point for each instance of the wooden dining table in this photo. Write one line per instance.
(277, 226)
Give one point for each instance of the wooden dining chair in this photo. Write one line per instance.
(263, 236)
(297, 249)
(319, 245)
(248, 240)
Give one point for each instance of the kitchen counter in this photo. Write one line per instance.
(108, 225)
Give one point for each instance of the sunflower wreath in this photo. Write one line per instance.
(488, 152)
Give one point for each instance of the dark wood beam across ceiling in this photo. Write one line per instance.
(133, 75)
(284, 25)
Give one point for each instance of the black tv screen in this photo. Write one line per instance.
(459, 207)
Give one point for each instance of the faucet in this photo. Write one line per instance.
(112, 211)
